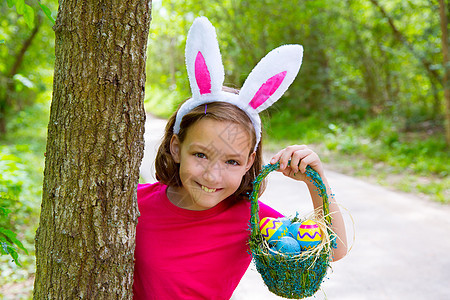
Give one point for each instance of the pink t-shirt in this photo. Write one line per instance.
(185, 254)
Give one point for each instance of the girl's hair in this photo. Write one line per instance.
(168, 172)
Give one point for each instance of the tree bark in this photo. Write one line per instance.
(86, 236)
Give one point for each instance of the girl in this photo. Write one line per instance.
(191, 237)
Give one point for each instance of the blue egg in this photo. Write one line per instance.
(285, 221)
(287, 245)
(293, 229)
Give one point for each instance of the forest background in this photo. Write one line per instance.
(369, 96)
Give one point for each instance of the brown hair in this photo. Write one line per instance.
(168, 172)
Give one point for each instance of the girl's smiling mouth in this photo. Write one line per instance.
(208, 190)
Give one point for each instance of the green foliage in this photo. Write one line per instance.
(379, 140)
(376, 147)
(23, 9)
(363, 90)
(8, 240)
(278, 127)
(10, 189)
(28, 12)
(21, 173)
(25, 78)
(160, 102)
(47, 12)
(354, 66)
(26, 60)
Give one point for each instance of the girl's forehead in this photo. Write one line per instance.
(212, 133)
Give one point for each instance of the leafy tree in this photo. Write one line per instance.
(22, 59)
(444, 15)
(422, 40)
(362, 58)
(10, 190)
(8, 240)
(20, 79)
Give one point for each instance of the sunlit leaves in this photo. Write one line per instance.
(28, 12)
(354, 65)
(47, 12)
(8, 242)
(23, 9)
(11, 3)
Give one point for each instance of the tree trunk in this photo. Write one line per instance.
(86, 236)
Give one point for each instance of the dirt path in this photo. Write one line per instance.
(401, 248)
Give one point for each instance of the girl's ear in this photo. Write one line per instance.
(175, 147)
(251, 160)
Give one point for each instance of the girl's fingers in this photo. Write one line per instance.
(284, 159)
(295, 152)
(288, 153)
(276, 157)
(298, 157)
(301, 157)
(295, 160)
(312, 159)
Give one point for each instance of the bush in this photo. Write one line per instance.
(374, 141)
(21, 173)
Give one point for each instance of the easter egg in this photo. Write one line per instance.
(287, 245)
(285, 221)
(293, 229)
(309, 235)
(272, 229)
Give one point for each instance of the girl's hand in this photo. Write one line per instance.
(300, 156)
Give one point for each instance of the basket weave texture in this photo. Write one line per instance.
(291, 276)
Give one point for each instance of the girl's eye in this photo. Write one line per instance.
(200, 155)
(232, 162)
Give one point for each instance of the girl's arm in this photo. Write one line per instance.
(301, 156)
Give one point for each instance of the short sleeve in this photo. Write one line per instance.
(267, 211)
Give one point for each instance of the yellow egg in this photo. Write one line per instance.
(272, 229)
(309, 235)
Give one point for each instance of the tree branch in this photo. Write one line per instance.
(25, 46)
(402, 38)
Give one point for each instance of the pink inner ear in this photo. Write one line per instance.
(267, 89)
(202, 74)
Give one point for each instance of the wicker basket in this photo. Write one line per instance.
(291, 276)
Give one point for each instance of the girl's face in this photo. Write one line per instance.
(213, 159)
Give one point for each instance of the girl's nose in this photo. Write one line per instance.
(212, 173)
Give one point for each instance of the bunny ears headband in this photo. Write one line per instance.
(264, 86)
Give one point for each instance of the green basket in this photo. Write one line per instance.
(290, 276)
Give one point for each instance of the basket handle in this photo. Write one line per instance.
(310, 172)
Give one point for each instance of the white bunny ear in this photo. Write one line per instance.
(272, 76)
(203, 60)
(266, 83)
